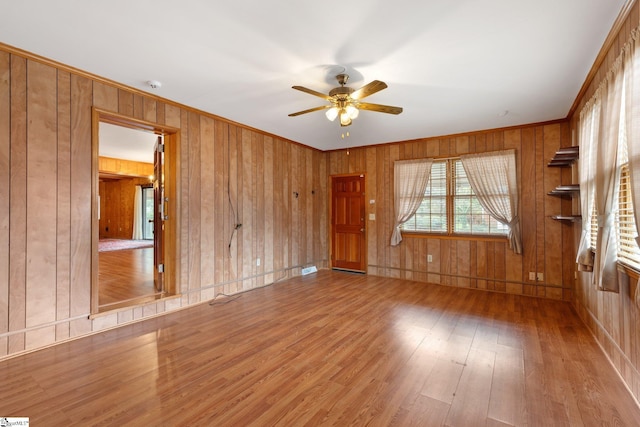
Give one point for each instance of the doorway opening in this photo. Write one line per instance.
(134, 212)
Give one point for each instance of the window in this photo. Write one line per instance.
(147, 212)
(431, 216)
(451, 207)
(628, 251)
(627, 248)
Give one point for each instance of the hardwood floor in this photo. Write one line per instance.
(331, 348)
(125, 276)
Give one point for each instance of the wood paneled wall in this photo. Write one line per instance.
(474, 262)
(613, 318)
(117, 197)
(228, 175)
(124, 167)
(117, 194)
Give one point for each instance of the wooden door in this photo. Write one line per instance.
(348, 233)
(159, 215)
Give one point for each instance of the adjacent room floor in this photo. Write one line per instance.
(330, 348)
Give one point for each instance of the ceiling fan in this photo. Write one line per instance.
(345, 101)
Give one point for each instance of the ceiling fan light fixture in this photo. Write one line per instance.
(332, 113)
(345, 120)
(352, 111)
(345, 102)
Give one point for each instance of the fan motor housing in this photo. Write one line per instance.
(341, 92)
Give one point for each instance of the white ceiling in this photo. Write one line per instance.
(124, 143)
(453, 66)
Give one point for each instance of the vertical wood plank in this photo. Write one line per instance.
(381, 191)
(491, 273)
(81, 192)
(473, 268)
(185, 206)
(18, 204)
(481, 264)
(269, 207)
(528, 203)
(220, 202)
(207, 196)
(63, 212)
(247, 194)
(294, 179)
(5, 186)
(195, 213)
(234, 203)
(462, 257)
(308, 211)
(500, 266)
(125, 103)
(105, 96)
(371, 208)
(278, 208)
(149, 108)
(138, 106)
(540, 195)
(257, 146)
(394, 252)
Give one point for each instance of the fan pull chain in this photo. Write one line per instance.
(343, 136)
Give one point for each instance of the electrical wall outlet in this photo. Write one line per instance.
(258, 262)
(532, 276)
(429, 258)
(540, 277)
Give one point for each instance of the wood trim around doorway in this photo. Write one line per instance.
(172, 176)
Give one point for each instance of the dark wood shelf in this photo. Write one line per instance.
(568, 190)
(565, 157)
(568, 218)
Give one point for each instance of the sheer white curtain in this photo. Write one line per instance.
(632, 117)
(607, 179)
(410, 178)
(494, 180)
(138, 215)
(589, 123)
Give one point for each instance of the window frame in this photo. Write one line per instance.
(628, 252)
(623, 203)
(450, 197)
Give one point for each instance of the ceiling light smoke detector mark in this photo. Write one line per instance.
(154, 84)
(503, 113)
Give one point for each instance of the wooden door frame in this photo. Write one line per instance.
(365, 247)
(172, 175)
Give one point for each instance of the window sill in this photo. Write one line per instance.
(477, 237)
(631, 272)
(633, 276)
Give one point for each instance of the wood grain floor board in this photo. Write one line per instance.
(330, 348)
(125, 275)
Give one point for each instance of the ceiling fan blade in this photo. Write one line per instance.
(312, 92)
(369, 89)
(379, 108)
(310, 110)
